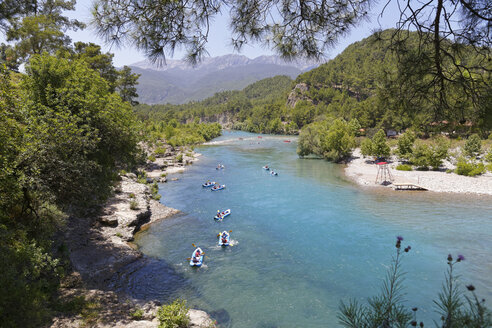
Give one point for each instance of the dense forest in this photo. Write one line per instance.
(371, 81)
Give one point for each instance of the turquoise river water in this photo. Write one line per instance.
(302, 241)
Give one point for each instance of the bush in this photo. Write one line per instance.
(488, 156)
(337, 143)
(133, 205)
(469, 168)
(404, 167)
(366, 147)
(174, 315)
(151, 158)
(379, 146)
(179, 158)
(132, 195)
(439, 151)
(421, 155)
(405, 145)
(160, 151)
(137, 314)
(473, 146)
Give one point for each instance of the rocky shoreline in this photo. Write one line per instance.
(364, 172)
(99, 246)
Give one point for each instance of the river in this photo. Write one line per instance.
(303, 240)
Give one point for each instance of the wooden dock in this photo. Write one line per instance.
(407, 186)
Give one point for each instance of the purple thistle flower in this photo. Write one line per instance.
(460, 258)
(399, 238)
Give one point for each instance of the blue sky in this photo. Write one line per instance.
(219, 41)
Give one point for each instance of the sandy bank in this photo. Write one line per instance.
(363, 172)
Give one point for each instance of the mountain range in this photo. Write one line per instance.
(178, 82)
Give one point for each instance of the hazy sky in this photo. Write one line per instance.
(219, 39)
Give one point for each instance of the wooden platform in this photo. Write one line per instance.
(407, 186)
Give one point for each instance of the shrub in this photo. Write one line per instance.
(488, 156)
(133, 205)
(421, 154)
(404, 167)
(160, 151)
(469, 168)
(132, 195)
(163, 175)
(379, 146)
(366, 147)
(337, 143)
(438, 152)
(174, 315)
(151, 158)
(179, 158)
(473, 146)
(137, 314)
(404, 146)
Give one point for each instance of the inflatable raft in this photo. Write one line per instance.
(197, 257)
(217, 187)
(224, 239)
(220, 167)
(221, 215)
(273, 173)
(266, 167)
(208, 184)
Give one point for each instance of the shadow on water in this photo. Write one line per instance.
(222, 317)
(150, 279)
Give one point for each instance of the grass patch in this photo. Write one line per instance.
(133, 205)
(404, 167)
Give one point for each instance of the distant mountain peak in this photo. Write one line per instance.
(227, 61)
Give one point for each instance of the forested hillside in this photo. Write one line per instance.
(260, 107)
(376, 81)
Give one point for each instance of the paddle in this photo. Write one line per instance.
(218, 235)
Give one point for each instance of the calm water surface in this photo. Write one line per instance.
(303, 240)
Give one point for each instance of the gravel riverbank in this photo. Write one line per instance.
(363, 171)
(100, 245)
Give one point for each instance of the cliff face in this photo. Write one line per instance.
(298, 93)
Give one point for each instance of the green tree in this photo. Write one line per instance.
(337, 143)
(473, 146)
(421, 155)
(98, 61)
(405, 145)
(366, 147)
(42, 28)
(380, 147)
(125, 85)
(79, 132)
(438, 152)
(301, 29)
(310, 140)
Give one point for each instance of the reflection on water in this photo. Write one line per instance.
(306, 239)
